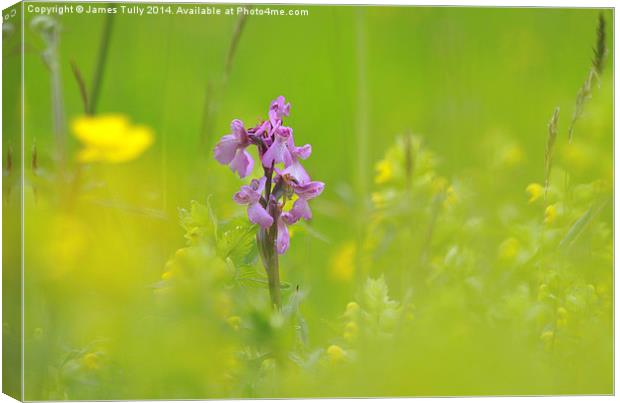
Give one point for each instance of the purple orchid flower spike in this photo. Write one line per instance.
(251, 195)
(283, 176)
(231, 150)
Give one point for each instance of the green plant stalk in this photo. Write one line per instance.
(58, 117)
(266, 246)
(361, 167)
(266, 240)
(273, 277)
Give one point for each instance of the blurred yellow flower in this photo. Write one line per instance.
(512, 156)
(91, 361)
(535, 190)
(509, 249)
(562, 317)
(577, 156)
(551, 212)
(350, 332)
(335, 353)
(384, 172)
(451, 197)
(110, 138)
(343, 262)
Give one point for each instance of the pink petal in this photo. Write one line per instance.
(258, 215)
(297, 171)
(303, 152)
(301, 209)
(283, 239)
(309, 190)
(247, 195)
(225, 150)
(277, 152)
(242, 163)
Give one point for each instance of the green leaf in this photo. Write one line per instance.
(199, 222)
(237, 241)
(579, 227)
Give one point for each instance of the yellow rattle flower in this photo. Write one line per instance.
(535, 190)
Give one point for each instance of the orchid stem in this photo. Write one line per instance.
(273, 276)
(267, 245)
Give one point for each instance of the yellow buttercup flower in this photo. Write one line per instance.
(551, 212)
(535, 190)
(384, 172)
(110, 138)
(335, 353)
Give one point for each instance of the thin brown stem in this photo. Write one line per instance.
(81, 85)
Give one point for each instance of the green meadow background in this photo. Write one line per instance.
(476, 86)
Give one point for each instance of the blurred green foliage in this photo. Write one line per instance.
(430, 270)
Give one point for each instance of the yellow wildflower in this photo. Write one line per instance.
(451, 197)
(535, 190)
(551, 213)
(562, 317)
(91, 361)
(384, 172)
(509, 249)
(110, 138)
(577, 156)
(350, 332)
(343, 262)
(166, 275)
(602, 289)
(512, 156)
(335, 353)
